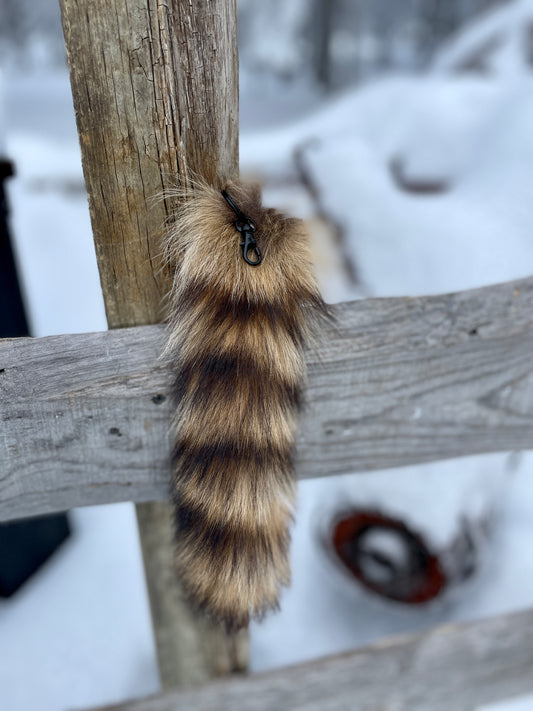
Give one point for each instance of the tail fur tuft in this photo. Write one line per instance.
(236, 339)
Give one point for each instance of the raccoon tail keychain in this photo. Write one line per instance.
(243, 304)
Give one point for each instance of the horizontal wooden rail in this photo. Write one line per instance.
(459, 667)
(396, 381)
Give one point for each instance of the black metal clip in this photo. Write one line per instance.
(247, 227)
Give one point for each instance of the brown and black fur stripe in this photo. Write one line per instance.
(236, 339)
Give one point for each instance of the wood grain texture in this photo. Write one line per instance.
(155, 89)
(395, 382)
(457, 667)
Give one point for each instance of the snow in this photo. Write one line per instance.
(57, 255)
(476, 232)
(451, 115)
(498, 39)
(48, 207)
(81, 629)
(324, 611)
(285, 35)
(523, 703)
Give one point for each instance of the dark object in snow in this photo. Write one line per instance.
(12, 316)
(24, 545)
(410, 184)
(388, 557)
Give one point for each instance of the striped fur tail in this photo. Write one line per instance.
(236, 338)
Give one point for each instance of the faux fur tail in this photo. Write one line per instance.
(236, 338)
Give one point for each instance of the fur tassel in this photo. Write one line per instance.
(236, 339)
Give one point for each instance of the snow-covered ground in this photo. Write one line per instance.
(80, 629)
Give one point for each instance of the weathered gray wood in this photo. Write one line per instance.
(396, 381)
(457, 667)
(155, 90)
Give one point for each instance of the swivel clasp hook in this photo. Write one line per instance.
(247, 227)
(250, 245)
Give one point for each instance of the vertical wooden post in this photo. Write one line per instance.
(155, 89)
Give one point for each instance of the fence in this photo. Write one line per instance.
(397, 381)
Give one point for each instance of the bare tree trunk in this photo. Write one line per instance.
(322, 24)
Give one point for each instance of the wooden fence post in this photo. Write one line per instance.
(155, 89)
